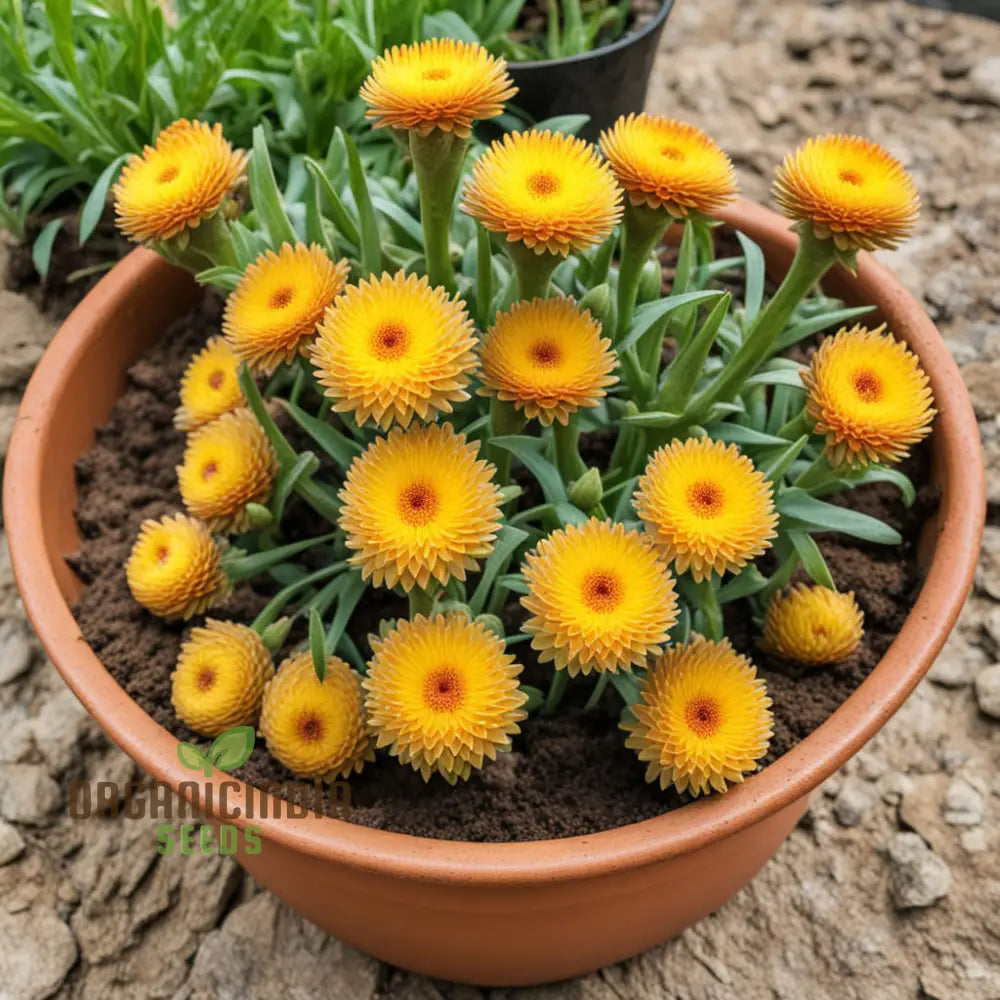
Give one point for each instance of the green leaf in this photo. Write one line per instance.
(93, 207)
(879, 474)
(338, 210)
(242, 567)
(233, 747)
(265, 196)
(447, 24)
(565, 124)
(812, 559)
(746, 583)
(305, 465)
(508, 539)
(371, 250)
(739, 434)
(755, 270)
(484, 279)
(816, 323)
(782, 376)
(821, 516)
(41, 251)
(226, 278)
(649, 313)
(524, 449)
(656, 418)
(623, 509)
(351, 592)
(776, 467)
(192, 758)
(689, 365)
(627, 685)
(317, 643)
(340, 448)
(536, 698)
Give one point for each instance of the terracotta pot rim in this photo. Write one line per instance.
(679, 831)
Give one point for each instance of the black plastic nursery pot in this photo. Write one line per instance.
(609, 82)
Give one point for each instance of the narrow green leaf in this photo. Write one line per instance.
(226, 278)
(341, 449)
(689, 365)
(879, 474)
(93, 207)
(508, 539)
(815, 324)
(265, 196)
(739, 434)
(352, 591)
(775, 468)
(524, 449)
(747, 582)
(305, 465)
(242, 567)
(755, 271)
(41, 251)
(338, 210)
(649, 313)
(371, 249)
(812, 559)
(623, 509)
(536, 698)
(317, 643)
(822, 516)
(783, 376)
(656, 418)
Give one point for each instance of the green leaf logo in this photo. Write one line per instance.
(230, 749)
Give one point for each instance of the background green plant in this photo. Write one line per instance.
(84, 84)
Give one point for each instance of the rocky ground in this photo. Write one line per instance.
(889, 889)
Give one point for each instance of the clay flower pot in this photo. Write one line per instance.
(483, 913)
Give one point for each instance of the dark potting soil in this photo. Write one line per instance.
(567, 775)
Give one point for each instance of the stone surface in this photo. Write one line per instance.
(917, 876)
(90, 911)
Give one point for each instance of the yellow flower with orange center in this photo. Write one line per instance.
(392, 348)
(668, 164)
(176, 183)
(550, 191)
(812, 625)
(175, 567)
(850, 189)
(219, 679)
(209, 386)
(548, 358)
(706, 507)
(442, 694)
(228, 463)
(600, 598)
(440, 83)
(316, 728)
(703, 718)
(274, 310)
(868, 394)
(419, 505)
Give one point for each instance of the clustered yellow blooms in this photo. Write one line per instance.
(421, 507)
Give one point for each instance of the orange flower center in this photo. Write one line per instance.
(671, 153)
(440, 73)
(205, 679)
(851, 177)
(703, 717)
(390, 341)
(602, 591)
(167, 175)
(310, 727)
(543, 184)
(443, 689)
(867, 385)
(209, 470)
(282, 297)
(162, 554)
(418, 504)
(216, 379)
(706, 499)
(545, 354)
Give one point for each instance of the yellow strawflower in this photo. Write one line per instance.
(668, 164)
(177, 182)
(419, 505)
(219, 679)
(600, 598)
(227, 464)
(443, 695)
(175, 567)
(316, 730)
(392, 348)
(868, 394)
(437, 84)
(209, 386)
(706, 507)
(850, 189)
(548, 358)
(703, 718)
(274, 310)
(812, 625)
(549, 191)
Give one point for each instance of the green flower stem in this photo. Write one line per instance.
(630, 441)
(813, 259)
(567, 441)
(557, 688)
(422, 600)
(533, 270)
(270, 612)
(642, 229)
(505, 419)
(795, 427)
(437, 161)
(595, 695)
(212, 239)
(322, 501)
(707, 602)
(818, 475)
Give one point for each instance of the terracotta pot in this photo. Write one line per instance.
(482, 913)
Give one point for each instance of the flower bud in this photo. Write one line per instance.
(588, 491)
(598, 300)
(492, 624)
